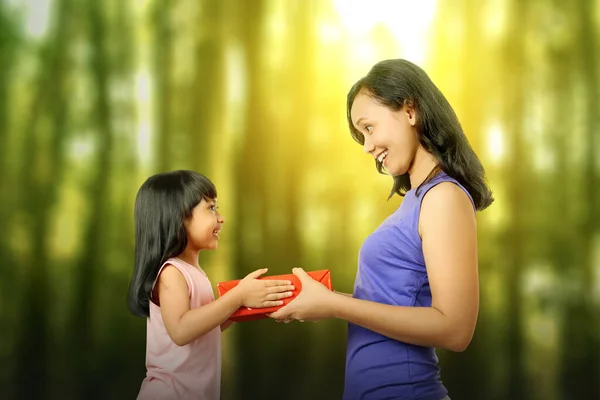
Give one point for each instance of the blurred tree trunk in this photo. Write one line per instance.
(7, 272)
(474, 77)
(329, 372)
(580, 347)
(513, 95)
(40, 177)
(8, 43)
(458, 370)
(289, 152)
(121, 348)
(294, 131)
(124, 117)
(207, 91)
(163, 66)
(561, 248)
(8, 54)
(88, 267)
(276, 142)
(251, 193)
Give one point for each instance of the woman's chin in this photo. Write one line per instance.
(395, 171)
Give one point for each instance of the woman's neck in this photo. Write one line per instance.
(421, 167)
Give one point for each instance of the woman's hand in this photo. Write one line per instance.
(312, 304)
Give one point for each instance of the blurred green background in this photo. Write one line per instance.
(97, 95)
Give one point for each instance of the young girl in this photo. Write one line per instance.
(417, 283)
(176, 216)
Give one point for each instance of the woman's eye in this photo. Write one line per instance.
(368, 128)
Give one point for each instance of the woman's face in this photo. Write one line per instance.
(390, 136)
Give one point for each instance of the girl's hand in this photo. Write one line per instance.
(312, 304)
(255, 293)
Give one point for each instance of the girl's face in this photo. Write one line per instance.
(204, 226)
(390, 136)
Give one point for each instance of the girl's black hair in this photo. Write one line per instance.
(162, 205)
(395, 83)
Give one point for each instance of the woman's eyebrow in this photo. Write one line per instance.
(360, 119)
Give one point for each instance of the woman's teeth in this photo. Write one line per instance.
(216, 233)
(382, 156)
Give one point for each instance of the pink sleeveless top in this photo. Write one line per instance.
(185, 372)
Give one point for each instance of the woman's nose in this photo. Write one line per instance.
(368, 146)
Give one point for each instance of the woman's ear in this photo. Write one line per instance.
(411, 113)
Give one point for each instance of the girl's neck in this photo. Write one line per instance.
(190, 256)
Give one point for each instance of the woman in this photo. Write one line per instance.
(416, 287)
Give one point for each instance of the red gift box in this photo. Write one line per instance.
(245, 314)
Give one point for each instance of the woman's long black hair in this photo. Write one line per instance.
(162, 205)
(395, 83)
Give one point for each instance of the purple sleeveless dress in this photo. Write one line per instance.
(391, 270)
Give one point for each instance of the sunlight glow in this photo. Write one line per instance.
(277, 33)
(140, 6)
(496, 147)
(143, 94)
(329, 33)
(496, 216)
(82, 147)
(543, 157)
(38, 15)
(539, 286)
(408, 21)
(235, 94)
(596, 267)
(495, 17)
(365, 51)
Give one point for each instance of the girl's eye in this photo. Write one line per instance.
(213, 207)
(368, 128)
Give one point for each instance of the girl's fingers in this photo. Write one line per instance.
(281, 288)
(278, 296)
(273, 282)
(272, 303)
